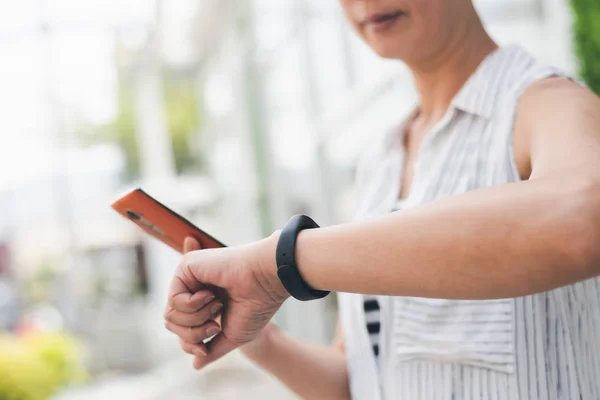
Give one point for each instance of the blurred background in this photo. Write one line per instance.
(237, 114)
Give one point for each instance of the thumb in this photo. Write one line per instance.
(190, 244)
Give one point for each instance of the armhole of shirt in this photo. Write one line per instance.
(546, 73)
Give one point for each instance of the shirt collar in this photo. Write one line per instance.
(479, 94)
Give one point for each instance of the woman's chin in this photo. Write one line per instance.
(408, 54)
(389, 51)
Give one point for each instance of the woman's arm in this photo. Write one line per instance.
(505, 241)
(313, 372)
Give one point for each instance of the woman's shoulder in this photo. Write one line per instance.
(522, 69)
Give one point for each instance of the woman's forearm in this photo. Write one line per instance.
(505, 241)
(311, 371)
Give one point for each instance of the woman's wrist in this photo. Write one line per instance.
(261, 348)
(267, 267)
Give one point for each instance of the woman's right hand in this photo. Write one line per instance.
(256, 349)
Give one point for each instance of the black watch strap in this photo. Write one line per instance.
(287, 269)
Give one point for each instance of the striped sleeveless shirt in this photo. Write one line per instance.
(539, 347)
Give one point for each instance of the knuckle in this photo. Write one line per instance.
(199, 336)
(188, 321)
(186, 260)
(184, 346)
(171, 302)
(179, 319)
(170, 318)
(189, 335)
(203, 316)
(178, 307)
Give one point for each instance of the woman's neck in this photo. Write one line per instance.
(439, 78)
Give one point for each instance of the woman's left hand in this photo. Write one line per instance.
(243, 278)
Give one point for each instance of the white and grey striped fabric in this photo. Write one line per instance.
(540, 347)
(373, 319)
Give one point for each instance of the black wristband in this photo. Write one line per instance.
(287, 269)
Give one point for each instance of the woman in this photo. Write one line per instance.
(484, 285)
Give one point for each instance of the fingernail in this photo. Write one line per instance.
(208, 300)
(212, 331)
(199, 353)
(216, 308)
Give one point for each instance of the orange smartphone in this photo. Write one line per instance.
(159, 221)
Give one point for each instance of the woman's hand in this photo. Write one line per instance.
(244, 279)
(201, 321)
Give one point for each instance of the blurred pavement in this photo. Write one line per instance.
(231, 378)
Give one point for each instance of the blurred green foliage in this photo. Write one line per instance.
(62, 354)
(122, 132)
(587, 40)
(37, 365)
(23, 375)
(183, 121)
(182, 118)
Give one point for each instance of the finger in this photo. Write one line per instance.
(194, 334)
(195, 349)
(219, 346)
(190, 244)
(185, 301)
(210, 311)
